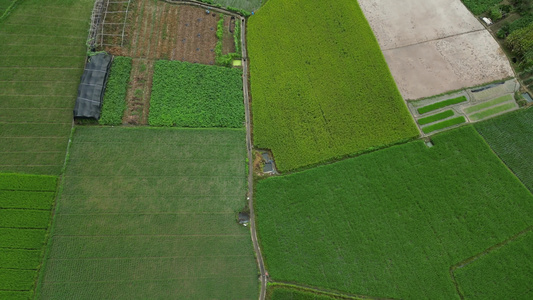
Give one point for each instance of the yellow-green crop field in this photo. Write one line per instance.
(321, 88)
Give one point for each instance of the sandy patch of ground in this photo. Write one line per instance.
(453, 63)
(433, 47)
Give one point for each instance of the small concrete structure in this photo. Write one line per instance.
(244, 218)
(527, 97)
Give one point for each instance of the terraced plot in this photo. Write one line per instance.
(25, 209)
(150, 213)
(42, 52)
(503, 273)
(391, 223)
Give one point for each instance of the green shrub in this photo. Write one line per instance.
(193, 95)
(114, 102)
(477, 7)
(25, 182)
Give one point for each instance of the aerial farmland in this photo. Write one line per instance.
(254, 149)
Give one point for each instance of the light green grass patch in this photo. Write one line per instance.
(492, 111)
(316, 100)
(374, 224)
(489, 103)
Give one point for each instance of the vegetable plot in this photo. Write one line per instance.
(193, 95)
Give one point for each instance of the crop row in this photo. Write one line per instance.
(26, 199)
(194, 95)
(435, 117)
(441, 104)
(316, 100)
(115, 93)
(24, 182)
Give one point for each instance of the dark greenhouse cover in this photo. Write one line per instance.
(92, 86)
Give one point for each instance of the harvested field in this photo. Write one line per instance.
(160, 30)
(149, 213)
(433, 47)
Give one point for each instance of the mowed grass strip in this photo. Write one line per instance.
(315, 100)
(155, 196)
(23, 226)
(441, 104)
(42, 53)
(504, 273)
(511, 137)
(374, 224)
(489, 103)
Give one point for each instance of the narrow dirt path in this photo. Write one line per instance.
(253, 230)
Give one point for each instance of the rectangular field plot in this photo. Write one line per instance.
(510, 137)
(150, 213)
(503, 273)
(42, 52)
(391, 223)
(314, 99)
(25, 209)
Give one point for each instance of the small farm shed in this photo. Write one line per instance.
(244, 218)
(92, 86)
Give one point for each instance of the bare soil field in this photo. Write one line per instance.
(433, 47)
(160, 30)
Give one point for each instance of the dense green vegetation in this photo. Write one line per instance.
(444, 124)
(435, 117)
(321, 88)
(478, 7)
(374, 224)
(115, 93)
(41, 61)
(441, 104)
(149, 213)
(505, 273)
(511, 137)
(25, 205)
(194, 95)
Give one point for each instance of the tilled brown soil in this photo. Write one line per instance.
(160, 30)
